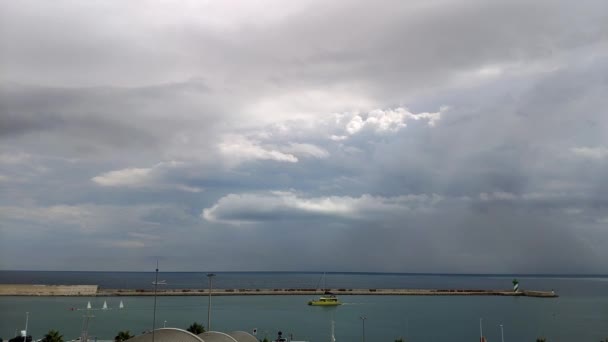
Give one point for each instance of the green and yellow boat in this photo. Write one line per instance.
(325, 300)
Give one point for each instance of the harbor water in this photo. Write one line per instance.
(579, 314)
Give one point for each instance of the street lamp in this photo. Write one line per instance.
(154, 310)
(210, 276)
(27, 317)
(502, 334)
(165, 324)
(363, 318)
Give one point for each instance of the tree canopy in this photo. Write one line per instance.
(196, 328)
(123, 336)
(53, 336)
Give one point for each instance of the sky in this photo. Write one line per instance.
(426, 136)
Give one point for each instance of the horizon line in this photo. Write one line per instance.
(342, 272)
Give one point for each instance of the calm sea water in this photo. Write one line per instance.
(579, 314)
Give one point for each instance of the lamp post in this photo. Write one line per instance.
(363, 318)
(154, 311)
(27, 317)
(502, 334)
(165, 324)
(210, 276)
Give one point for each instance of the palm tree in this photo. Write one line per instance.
(123, 336)
(52, 336)
(196, 328)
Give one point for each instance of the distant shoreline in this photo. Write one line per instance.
(93, 290)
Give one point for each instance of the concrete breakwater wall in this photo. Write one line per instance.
(47, 290)
(93, 290)
(339, 292)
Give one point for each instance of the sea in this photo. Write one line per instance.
(580, 313)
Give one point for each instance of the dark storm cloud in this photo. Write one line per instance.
(102, 120)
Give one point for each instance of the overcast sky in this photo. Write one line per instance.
(388, 136)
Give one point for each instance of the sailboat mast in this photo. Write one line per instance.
(324, 284)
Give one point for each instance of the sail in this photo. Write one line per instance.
(121, 305)
(105, 305)
(89, 305)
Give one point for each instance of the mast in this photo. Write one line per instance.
(324, 283)
(154, 314)
(85, 326)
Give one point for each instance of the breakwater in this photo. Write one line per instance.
(93, 290)
(47, 290)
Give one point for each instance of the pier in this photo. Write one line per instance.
(94, 290)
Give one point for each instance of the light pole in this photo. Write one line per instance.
(363, 318)
(27, 317)
(502, 334)
(154, 311)
(210, 276)
(165, 324)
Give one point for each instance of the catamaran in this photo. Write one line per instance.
(328, 299)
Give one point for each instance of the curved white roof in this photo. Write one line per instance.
(167, 335)
(216, 336)
(242, 336)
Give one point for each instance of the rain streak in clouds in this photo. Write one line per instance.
(417, 136)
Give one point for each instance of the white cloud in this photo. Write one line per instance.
(237, 148)
(254, 207)
(595, 153)
(276, 141)
(308, 150)
(338, 137)
(153, 177)
(390, 120)
(187, 188)
(125, 177)
(307, 104)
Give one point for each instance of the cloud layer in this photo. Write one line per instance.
(438, 132)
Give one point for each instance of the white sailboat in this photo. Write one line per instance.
(121, 305)
(105, 305)
(89, 305)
